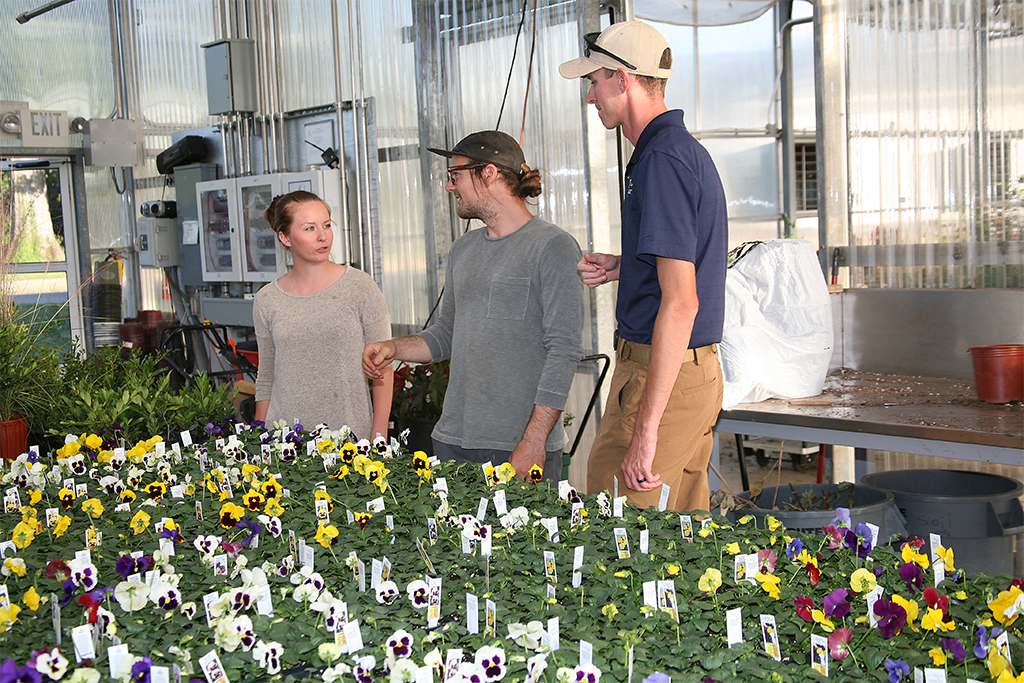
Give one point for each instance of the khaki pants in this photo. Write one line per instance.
(685, 439)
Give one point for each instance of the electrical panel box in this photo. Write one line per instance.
(326, 184)
(263, 255)
(231, 76)
(158, 243)
(185, 180)
(219, 224)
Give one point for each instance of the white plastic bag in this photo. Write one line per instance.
(777, 341)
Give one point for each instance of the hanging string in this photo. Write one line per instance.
(515, 50)
(529, 73)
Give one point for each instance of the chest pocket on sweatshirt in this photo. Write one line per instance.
(508, 298)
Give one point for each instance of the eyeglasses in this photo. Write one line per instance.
(452, 170)
(590, 45)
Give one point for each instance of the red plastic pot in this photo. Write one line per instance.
(13, 437)
(999, 372)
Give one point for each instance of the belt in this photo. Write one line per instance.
(641, 353)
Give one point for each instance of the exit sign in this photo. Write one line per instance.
(44, 128)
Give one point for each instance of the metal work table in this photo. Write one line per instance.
(904, 414)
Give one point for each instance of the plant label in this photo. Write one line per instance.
(549, 566)
(208, 601)
(734, 626)
(486, 541)
(819, 654)
(353, 636)
(186, 438)
(667, 599)
(500, 504)
(212, 668)
(770, 637)
(472, 613)
(376, 569)
(666, 491)
(160, 674)
(686, 525)
(491, 620)
(81, 636)
(119, 659)
(651, 596)
(376, 505)
(452, 662)
(577, 515)
(622, 543)
(873, 597)
(934, 675)
(618, 503)
(552, 634)
(434, 603)
(645, 541)
(586, 653)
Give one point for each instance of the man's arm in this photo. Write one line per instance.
(531, 449)
(672, 328)
(377, 356)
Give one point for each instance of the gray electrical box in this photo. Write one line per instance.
(185, 179)
(158, 243)
(111, 142)
(231, 76)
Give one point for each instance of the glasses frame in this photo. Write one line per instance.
(463, 167)
(590, 45)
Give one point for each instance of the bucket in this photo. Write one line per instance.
(976, 514)
(868, 506)
(999, 372)
(13, 437)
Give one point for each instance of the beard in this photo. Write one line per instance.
(479, 211)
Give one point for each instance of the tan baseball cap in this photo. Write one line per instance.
(631, 45)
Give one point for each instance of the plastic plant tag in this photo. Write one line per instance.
(452, 662)
(770, 637)
(212, 668)
(645, 541)
(549, 567)
(500, 504)
(666, 491)
(492, 618)
(819, 654)
(734, 626)
(472, 613)
(622, 543)
(552, 634)
(686, 527)
(586, 653)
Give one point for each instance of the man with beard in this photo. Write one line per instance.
(511, 319)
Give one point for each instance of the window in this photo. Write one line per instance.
(806, 177)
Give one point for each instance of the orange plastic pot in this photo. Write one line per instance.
(999, 372)
(13, 437)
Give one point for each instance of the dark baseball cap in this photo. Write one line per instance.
(489, 147)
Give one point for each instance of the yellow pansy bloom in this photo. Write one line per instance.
(8, 616)
(325, 535)
(94, 442)
(23, 535)
(63, 522)
(938, 656)
(911, 555)
(732, 548)
(863, 581)
(273, 507)
(672, 569)
(946, 555)
(104, 456)
(140, 522)
(911, 608)
(16, 566)
(769, 583)
(536, 473)
(610, 611)
(506, 472)
(710, 581)
(819, 617)
(1005, 607)
(772, 524)
(34, 496)
(31, 598)
(933, 621)
(804, 558)
(248, 471)
(359, 464)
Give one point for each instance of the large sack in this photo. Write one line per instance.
(777, 341)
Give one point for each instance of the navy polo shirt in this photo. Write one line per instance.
(674, 208)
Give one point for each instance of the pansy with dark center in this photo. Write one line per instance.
(141, 670)
(892, 617)
(897, 669)
(400, 644)
(12, 673)
(804, 605)
(955, 648)
(912, 574)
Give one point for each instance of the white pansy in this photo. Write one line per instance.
(131, 596)
(528, 636)
(52, 664)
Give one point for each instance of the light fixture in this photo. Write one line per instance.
(78, 124)
(10, 123)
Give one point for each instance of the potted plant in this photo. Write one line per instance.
(28, 374)
(418, 400)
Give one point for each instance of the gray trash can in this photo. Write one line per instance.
(977, 514)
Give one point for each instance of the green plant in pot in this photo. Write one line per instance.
(418, 400)
(29, 374)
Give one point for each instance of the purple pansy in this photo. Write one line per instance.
(913, 575)
(897, 669)
(955, 648)
(892, 617)
(836, 604)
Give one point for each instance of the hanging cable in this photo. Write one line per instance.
(515, 49)
(529, 74)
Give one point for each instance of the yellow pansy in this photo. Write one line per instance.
(1007, 605)
(672, 569)
(911, 608)
(536, 473)
(63, 522)
(946, 555)
(248, 471)
(326, 446)
(506, 472)
(359, 464)
(325, 535)
(348, 452)
(230, 514)
(610, 611)
(819, 617)
(911, 555)
(769, 583)
(31, 598)
(804, 558)
(23, 535)
(863, 581)
(772, 524)
(94, 442)
(732, 548)
(938, 656)
(34, 496)
(273, 507)
(15, 565)
(746, 519)
(140, 522)
(933, 621)
(710, 581)
(104, 457)
(376, 473)
(8, 616)
(94, 507)
(127, 496)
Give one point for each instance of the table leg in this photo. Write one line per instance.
(741, 453)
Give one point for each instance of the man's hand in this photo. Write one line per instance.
(597, 269)
(378, 356)
(637, 465)
(526, 456)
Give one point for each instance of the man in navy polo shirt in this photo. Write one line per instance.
(667, 387)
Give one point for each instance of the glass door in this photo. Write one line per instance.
(39, 277)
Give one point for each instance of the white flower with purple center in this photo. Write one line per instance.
(52, 664)
(381, 448)
(418, 594)
(188, 610)
(271, 525)
(584, 673)
(492, 660)
(471, 672)
(168, 598)
(331, 607)
(400, 645)
(84, 574)
(387, 592)
(516, 518)
(207, 545)
(268, 655)
(363, 447)
(364, 669)
(535, 667)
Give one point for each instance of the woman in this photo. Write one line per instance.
(312, 325)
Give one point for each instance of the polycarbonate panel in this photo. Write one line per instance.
(59, 60)
(748, 170)
(737, 74)
(935, 116)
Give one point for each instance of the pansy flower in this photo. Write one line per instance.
(912, 574)
(325, 535)
(528, 636)
(910, 554)
(1007, 605)
(376, 473)
(936, 601)
(272, 525)
(83, 574)
(230, 515)
(62, 525)
(935, 620)
(252, 527)
(910, 607)
(493, 662)
(387, 592)
(131, 596)
(794, 547)
(981, 646)
(156, 490)
(769, 583)
(52, 664)
(270, 488)
(268, 655)
(896, 669)
(535, 667)
(23, 534)
(842, 518)
(418, 592)
(12, 673)
(67, 498)
(58, 570)
(31, 599)
(206, 544)
(710, 581)
(274, 507)
(14, 565)
(863, 581)
(585, 673)
(955, 648)
(836, 604)
(766, 560)
(891, 617)
(253, 500)
(839, 642)
(140, 522)
(399, 644)
(536, 474)
(348, 453)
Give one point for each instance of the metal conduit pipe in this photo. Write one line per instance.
(788, 142)
(272, 89)
(277, 86)
(365, 158)
(356, 125)
(257, 22)
(346, 224)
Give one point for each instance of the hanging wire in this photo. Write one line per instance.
(515, 50)
(529, 74)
